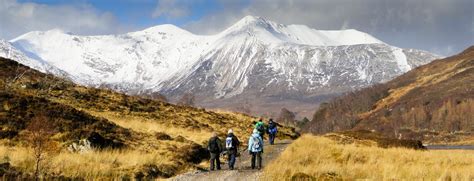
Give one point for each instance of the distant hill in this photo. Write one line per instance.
(434, 102)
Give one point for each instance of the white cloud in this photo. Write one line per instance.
(422, 24)
(17, 18)
(170, 9)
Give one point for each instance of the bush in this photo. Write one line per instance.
(162, 136)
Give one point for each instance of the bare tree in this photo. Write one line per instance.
(39, 132)
(286, 117)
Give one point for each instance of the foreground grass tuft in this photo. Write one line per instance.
(318, 158)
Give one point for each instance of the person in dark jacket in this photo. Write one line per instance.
(260, 126)
(215, 148)
(232, 144)
(272, 131)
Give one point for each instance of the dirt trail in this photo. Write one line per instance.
(242, 167)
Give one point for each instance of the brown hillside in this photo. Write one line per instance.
(434, 102)
(153, 135)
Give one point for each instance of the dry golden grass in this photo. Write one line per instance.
(396, 94)
(460, 140)
(90, 165)
(322, 158)
(151, 126)
(145, 148)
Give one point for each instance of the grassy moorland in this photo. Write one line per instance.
(138, 137)
(324, 158)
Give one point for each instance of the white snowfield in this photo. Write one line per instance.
(171, 60)
(8, 51)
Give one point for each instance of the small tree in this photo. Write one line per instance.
(39, 133)
(286, 117)
(302, 122)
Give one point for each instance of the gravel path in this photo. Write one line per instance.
(242, 171)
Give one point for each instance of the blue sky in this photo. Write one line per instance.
(444, 27)
(140, 12)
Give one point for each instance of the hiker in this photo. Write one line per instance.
(272, 131)
(232, 145)
(215, 148)
(255, 148)
(260, 126)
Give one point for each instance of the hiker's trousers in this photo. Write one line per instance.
(215, 159)
(271, 138)
(231, 159)
(256, 157)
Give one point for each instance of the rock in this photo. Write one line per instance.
(82, 146)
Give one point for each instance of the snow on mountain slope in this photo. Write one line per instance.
(135, 58)
(252, 57)
(9, 51)
(271, 32)
(283, 69)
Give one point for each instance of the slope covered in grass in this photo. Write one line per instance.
(172, 136)
(321, 158)
(434, 102)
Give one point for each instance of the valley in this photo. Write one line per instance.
(254, 62)
(287, 90)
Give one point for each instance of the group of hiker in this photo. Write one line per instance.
(232, 144)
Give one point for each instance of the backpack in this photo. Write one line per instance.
(228, 143)
(256, 143)
(213, 147)
(260, 128)
(273, 130)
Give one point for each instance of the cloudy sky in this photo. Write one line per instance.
(441, 26)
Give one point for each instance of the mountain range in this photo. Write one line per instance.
(254, 66)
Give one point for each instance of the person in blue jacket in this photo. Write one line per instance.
(272, 131)
(255, 149)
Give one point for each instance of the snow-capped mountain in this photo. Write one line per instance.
(254, 59)
(9, 51)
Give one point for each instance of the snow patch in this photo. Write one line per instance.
(401, 60)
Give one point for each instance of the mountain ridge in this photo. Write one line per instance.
(250, 58)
